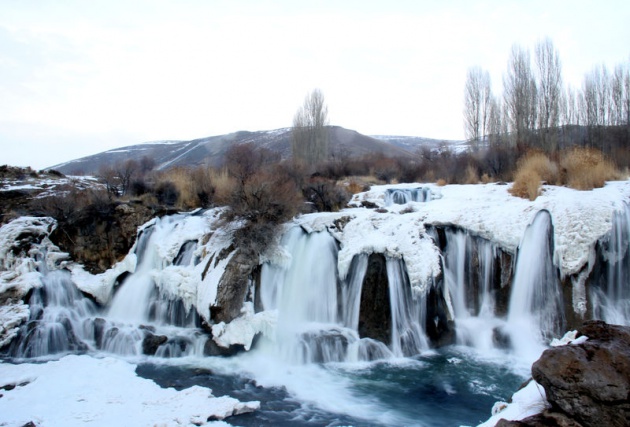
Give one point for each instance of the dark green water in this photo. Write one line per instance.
(451, 387)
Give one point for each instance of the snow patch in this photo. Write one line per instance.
(243, 329)
(102, 392)
(528, 401)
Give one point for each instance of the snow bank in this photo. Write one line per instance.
(580, 218)
(81, 390)
(528, 401)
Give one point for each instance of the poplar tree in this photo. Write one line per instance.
(310, 141)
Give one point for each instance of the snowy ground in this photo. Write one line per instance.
(81, 390)
(86, 391)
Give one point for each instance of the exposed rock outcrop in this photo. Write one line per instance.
(375, 311)
(234, 286)
(98, 238)
(587, 384)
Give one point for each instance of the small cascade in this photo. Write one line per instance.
(140, 285)
(536, 308)
(305, 295)
(611, 299)
(59, 321)
(408, 314)
(172, 325)
(318, 313)
(139, 320)
(469, 275)
(401, 196)
(185, 255)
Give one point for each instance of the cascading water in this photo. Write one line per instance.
(408, 337)
(611, 300)
(536, 309)
(469, 266)
(59, 321)
(63, 320)
(318, 321)
(305, 295)
(403, 196)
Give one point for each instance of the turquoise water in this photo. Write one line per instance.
(450, 387)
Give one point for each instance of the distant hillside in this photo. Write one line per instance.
(210, 150)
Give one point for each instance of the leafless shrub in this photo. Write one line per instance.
(325, 195)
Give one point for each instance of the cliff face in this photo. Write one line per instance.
(98, 238)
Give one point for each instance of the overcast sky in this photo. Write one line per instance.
(80, 77)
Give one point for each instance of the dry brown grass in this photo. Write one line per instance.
(224, 185)
(536, 161)
(585, 169)
(580, 169)
(441, 182)
(486, 179)
(526, 184)
(472, 175)
(355, 187)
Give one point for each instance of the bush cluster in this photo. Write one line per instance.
(579, 168)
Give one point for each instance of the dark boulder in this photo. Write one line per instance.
(589, 382)
(211, 348)
(151, 342)
(544, 419)
(375, 308)
(233, 286)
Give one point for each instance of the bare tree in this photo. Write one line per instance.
(619, 95)
(549, 91)
(496, 121)
(520, 95)
(477, 100)
(126, 171)
(310, 142)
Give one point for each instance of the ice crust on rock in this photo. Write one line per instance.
(243, 329)
(579, 218)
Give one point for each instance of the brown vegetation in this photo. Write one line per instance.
(580, 168)
(587, 168)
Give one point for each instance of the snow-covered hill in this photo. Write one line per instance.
(210, 150)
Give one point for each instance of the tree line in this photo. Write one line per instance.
(537, 110)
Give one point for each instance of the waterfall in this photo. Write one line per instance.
(611, 300)
(469, 269)
(536, 309)
(407, 309)
(305, 295)
(401, 196)
(140, 286)
(318, 313)
(58, 321)
(139, 319)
